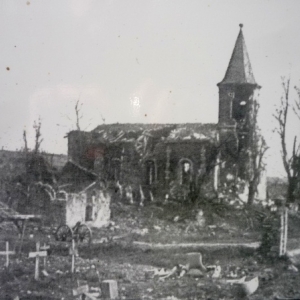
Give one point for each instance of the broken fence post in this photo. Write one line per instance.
(109, 289)
(7, 253)
(37, 256)
(142, 196)
(283, 231)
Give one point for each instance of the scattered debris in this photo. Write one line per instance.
(176, 219)
(245, 288)
(293, 268)
(194, 268)
(240, 280)
(158, 228)
(195, 273)
(81, 290)
(45, 273)
(217, 272)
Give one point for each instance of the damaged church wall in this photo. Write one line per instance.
(184, 165)
(92, 209)
(75, 209)
(183, 146)
(120, 162)
(98, 211)
(194, 158)
(91, 206)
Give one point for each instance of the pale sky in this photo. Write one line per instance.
(168, 54)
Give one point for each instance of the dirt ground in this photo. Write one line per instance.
(134, 268)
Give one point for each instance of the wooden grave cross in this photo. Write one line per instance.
(45, 248)
(7, 253)
(74, 252)
(37, 256)
(283, 231)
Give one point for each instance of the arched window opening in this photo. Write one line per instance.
(239, 109)
(185, 171)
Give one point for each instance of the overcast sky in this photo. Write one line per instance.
(168, 54)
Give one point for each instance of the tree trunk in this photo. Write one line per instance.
(292, 184)
(252, 190)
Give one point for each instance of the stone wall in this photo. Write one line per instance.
(99, 202)
(75, 209)
(57, 213)
(90, 207)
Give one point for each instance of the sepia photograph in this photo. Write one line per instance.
(149, 149)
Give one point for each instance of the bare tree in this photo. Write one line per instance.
(78, 115)
(296, 107)
(290, 161)
(25, 141)
(256, 152)
(38, 139)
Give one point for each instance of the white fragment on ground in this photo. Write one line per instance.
(240, 280)
(161, 272)
(293, 268)
(176, 219)
(158, 228)
(217, 272)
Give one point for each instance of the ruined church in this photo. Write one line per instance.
(180, 161)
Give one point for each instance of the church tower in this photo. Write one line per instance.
(236, 94)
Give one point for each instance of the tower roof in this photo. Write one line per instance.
(239, 69)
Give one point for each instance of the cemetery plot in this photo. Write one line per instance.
(121, 270)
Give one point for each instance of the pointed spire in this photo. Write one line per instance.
(239, 69)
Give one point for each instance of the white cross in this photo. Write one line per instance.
(45, 247)
(7, 253)
(74, 252)
(37, 256)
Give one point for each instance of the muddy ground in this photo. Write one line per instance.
(133, 268)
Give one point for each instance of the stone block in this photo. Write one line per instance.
(194, 261)
(109, 289)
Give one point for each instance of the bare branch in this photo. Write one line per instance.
(290, 162)
(296, 107)
(38, 140)
(78, 117)
(25, 141)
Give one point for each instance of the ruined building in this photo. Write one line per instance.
(178, 160)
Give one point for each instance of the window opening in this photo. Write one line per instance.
(185, 172)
